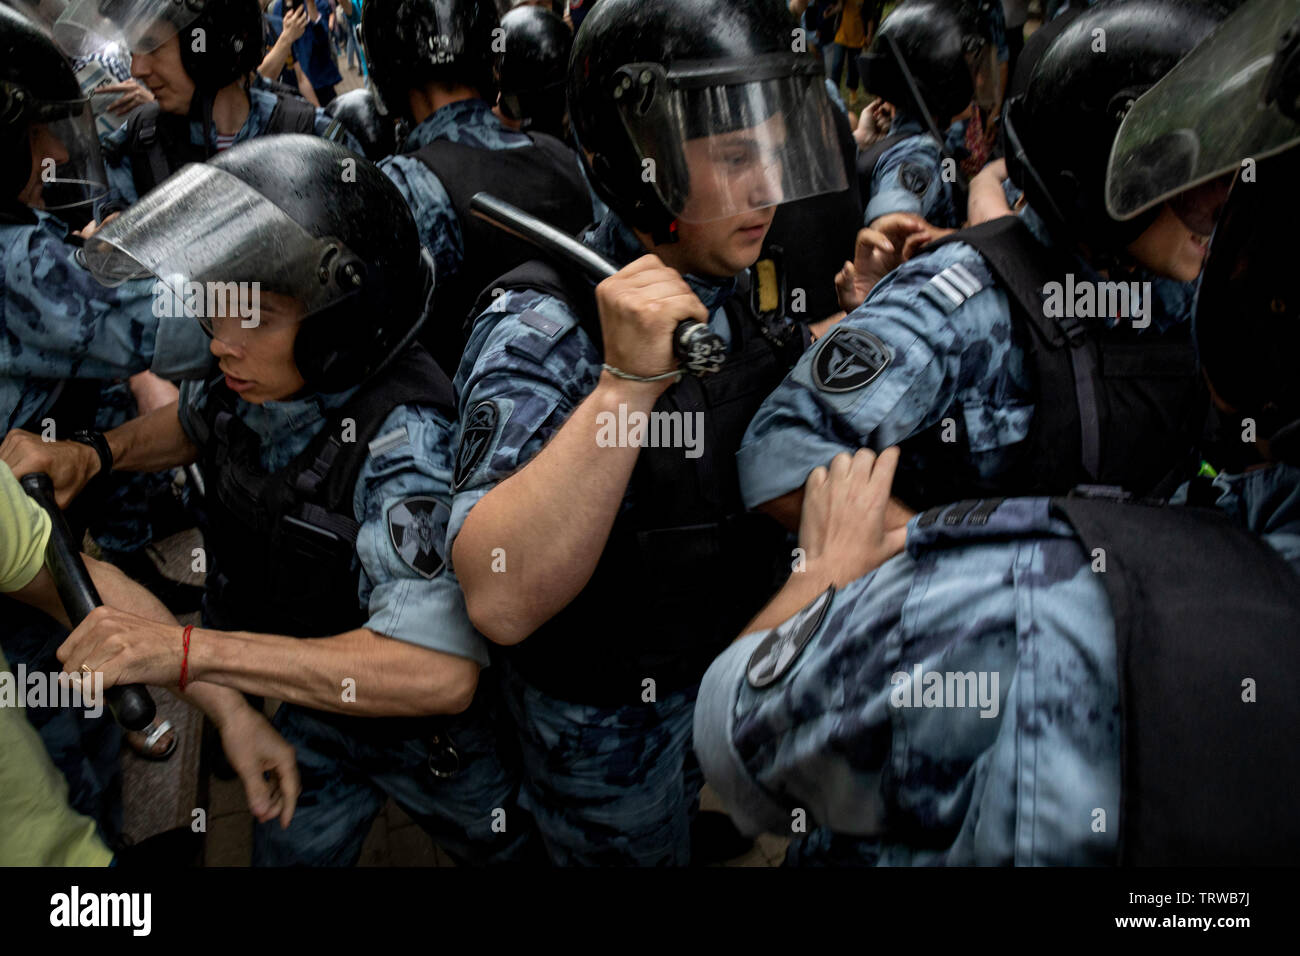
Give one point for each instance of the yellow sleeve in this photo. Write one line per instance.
(24, 532)
(40, 828)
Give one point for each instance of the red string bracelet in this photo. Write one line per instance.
(185, 660)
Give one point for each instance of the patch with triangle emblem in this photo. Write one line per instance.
(849, 359)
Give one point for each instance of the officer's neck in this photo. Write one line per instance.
(230, 109)
(432, 97)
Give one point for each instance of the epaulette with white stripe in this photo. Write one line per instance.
(951, 287)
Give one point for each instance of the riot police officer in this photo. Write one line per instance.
(969, 355)
(327, 442)
(601, 566)
(434, 64)
(927, 60)
(533, 68)
(197, 60)
(1132, 701)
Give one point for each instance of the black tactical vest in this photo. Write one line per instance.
(685, 566)
(1209, 766)
(159, 144)
(1111, 407)
(541, 179)
(281, 545)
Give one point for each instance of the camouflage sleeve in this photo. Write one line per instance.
(435, 217)
(58, 322)
(403, 501)
(933, 330)
(525, 370)
(907, 179)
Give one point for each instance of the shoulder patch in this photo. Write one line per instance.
(849, 359)
(952, 287)
(782, 646)
(915, 178)
(414, 528)
(475, 438)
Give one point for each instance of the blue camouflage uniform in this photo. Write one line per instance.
(909, 178)
(607, 785)
(347, 772)
(952, 350)
(471, 122)
(117, 159)
(1013, 777)
(56, 323)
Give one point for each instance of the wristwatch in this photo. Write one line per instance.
(97, 441)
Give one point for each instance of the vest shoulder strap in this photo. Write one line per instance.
(1209, 774)
(292, 114)
(144, 139)
(1060, 347)
(869, 157)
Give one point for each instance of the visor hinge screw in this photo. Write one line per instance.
(646, 77)
(324, 275)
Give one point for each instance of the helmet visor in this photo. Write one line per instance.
(216, 245)
(143, 25)
(724, 138)
(1206, 116)
(80, 29)
(68, 172)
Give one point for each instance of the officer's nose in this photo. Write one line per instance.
(226, 341)
(765, 186)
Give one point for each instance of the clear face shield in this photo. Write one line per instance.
(216, 247)
(1208, 117)
(68, 171)
(723, 138)
(141, 25)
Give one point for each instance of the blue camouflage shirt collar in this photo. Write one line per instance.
(616, 241)
(443, 122)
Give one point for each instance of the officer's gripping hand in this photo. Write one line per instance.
(265, 762)
(848, 527)
(125, 647)
(69, 464)
(640, 306)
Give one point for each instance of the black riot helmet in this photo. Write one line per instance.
(42, 109)
(1060, 131)
(409, 43)
(929, 57)
(357, 112)
(1247, 321)
(220, 40)
(699, 110)
(533, 69)
(295, 215)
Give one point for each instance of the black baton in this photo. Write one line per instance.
(130, 703)
(700, 350)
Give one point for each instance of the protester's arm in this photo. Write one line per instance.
(305, 87)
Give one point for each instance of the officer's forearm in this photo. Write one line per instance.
(551, 519)
(785, 509)
(151, 442)
(119, 591)
(358, 672)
